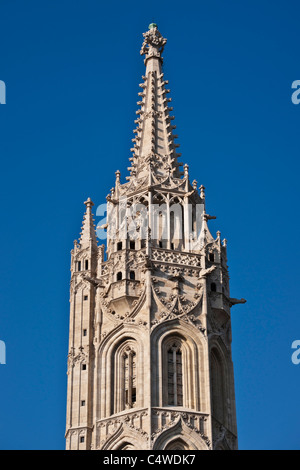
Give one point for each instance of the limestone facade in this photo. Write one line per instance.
(149, 364)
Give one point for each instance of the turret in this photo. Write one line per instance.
(81, 334)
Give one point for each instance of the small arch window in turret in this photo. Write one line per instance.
(132, 275)
(213, 287)
(86, 264)
(211, 257)
(119, 276)
(132, 245)
(119, 246)
(78, 265)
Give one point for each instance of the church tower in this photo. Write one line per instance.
(149, 363)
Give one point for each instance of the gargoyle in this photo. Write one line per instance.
(236, 301)
(93, 281)
(204, 272)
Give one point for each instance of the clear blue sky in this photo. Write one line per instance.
(72, 70)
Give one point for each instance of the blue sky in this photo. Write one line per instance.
(72, 70)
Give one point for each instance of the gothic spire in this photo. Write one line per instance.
(154, 147)
(88, 232)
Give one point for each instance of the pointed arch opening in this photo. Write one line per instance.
(178, 385)
(179, 437)
(188, 363)
(175, 391)
(124, 389)
(217, 386)
(159, 223)
(177, 444)
(126, 446)
(176, 224)
(213, 287)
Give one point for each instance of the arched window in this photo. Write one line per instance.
(132, 275)
(162, 226)
(124, 387)
(213, 287)
(176, 224)
(217, 386)
(119, 246)
(119, 276)
(175, 395)
(211, 257)
(159, 224)
(177, 381)
(130, 378)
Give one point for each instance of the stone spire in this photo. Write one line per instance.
(154, 147)
(88, 231)
(150, 363)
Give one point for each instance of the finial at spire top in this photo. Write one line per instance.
(153, 44)
(89, 202)
(118, 174)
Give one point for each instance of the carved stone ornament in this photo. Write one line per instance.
(179, 419)
(154, 43)
(81, 356)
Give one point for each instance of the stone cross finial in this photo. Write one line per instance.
(153, 44)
